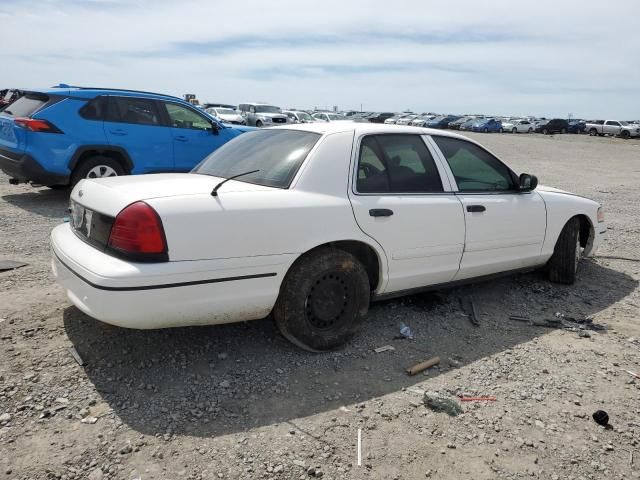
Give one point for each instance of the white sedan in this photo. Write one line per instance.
(310, 223)
(518, 126)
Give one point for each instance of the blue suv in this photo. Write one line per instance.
(57, 137)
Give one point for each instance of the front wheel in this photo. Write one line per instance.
(625, 134)
(259, 124)
(593, 132)
(530, 130)
(563, 264)
(486, 130)
(545, 131)
(97, 167)
(514, 130)
(323, 299)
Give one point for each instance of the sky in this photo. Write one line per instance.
(516, 57)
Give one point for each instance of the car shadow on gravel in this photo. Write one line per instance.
(44, 202)
(208, 381)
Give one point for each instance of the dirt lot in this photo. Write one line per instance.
(238, 401)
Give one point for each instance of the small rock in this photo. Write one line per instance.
(90, 420)
(225, 384)
(438, 403)
(126, 449)
(609, 447)
(96, 475)
(278, 469)
(5, 417)
(299, 463)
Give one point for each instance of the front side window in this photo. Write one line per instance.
(182, 117)
(475, 169)
(267, 109)
(611, 122)
(276, 154)
(396, 164)
(140, 111)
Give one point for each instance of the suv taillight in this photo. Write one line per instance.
(137, 234)
(37, 125)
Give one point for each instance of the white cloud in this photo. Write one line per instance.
(546, 58)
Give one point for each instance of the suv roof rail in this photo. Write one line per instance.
(64, 85)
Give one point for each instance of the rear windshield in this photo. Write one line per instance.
(276, 154)
(26, 105)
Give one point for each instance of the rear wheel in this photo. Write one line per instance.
(514, 130)
(500, 130)
(530, 130)
(545, 131)
(259, 123)
(97, 167)
(486, 130)
(323, 299)
(563, 264)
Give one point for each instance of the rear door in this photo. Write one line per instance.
(135, 125)
(193, 134)
(12, 137)
(612, 127)
(505, 228)
(399, 199)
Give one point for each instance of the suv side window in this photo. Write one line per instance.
(475, 169)
(140, 111)
(95, 109)
(396, 164)
(612, 122)
(183, 117)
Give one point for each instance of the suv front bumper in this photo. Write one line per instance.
(25, 168)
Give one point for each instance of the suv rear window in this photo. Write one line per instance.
(26, 105)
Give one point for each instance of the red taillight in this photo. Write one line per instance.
(36, 125)
(138, 233)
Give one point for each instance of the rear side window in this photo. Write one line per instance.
(474, 169)
(94, 109)
(396, 164)
(140, 111)
(26, 105)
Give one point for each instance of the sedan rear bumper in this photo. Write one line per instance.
(169, 294)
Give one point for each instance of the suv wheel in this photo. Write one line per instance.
(258, 123)
(97, 167)
(545, 131)
(564, 130)
(625, 134)
(593, 132)
(514, 130)
(323, 299)
(486, 130)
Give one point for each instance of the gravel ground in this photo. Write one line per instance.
(238, 401)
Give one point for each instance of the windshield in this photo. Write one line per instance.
(277, 154)
(336, 117)
(224, 111)
(267, 109)
(624, 123)
(304, 116)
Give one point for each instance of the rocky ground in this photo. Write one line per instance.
(238, 401)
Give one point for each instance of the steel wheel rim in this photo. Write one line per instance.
(101, 171)
(329, 300)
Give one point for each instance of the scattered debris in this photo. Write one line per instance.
(89, 419)
(601, 418)
(74, 353)
(438, 403)
(633, 374)
(420, 367)
(10, 265)
(477, 399)
(519, 318)
(561, 321)
(405, 331)
(473, 314)
(385, 348)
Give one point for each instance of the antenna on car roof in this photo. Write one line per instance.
(214, 192)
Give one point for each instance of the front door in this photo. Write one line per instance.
(505, 228)
(612, 127)
(193, 135)
(134, 125)
(399, 200)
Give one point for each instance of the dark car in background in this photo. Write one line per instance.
(442, 121)
(577, 126)
(555, 125)
(380, 117)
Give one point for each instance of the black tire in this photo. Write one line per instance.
(514, 130)
(625, 134)
(563, 131)
(486, 130)
(86, 167)
(563, 265)
(593, 132)
(259, 123)
(323, 299)
(530, 130)
(500, 130)
(58, 187)
(545, 131)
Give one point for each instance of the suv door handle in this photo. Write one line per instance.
(118, 131)
(380, 212)
(182, 138)
(476, 208)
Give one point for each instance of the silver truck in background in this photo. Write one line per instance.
(613, 127)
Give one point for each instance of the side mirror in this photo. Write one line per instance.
(528, 182)
(215, 128)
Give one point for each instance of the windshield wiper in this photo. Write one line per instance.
(214, 192)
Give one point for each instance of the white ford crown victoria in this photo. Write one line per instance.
(310, 223)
